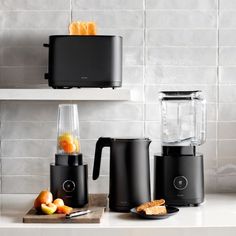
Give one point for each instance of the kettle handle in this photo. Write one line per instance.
(101, 143)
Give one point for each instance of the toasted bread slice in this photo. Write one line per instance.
(74, 28)
(91, 28)
(150, 204)
(82, 28)
(155, 210)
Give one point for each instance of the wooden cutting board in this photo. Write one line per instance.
(97, 204)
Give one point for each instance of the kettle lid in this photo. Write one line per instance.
(129, 139)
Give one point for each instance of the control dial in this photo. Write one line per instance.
(68, 186)
(180, 182)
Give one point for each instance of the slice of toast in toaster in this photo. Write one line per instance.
(91, 28)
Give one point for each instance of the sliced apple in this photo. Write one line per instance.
(49, 208)
(58, 202)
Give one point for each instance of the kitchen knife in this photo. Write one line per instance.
(77, 213)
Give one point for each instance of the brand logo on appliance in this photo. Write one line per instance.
(83, 77)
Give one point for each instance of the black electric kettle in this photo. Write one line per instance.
(129, 171)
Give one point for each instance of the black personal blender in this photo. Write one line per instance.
(69, 176)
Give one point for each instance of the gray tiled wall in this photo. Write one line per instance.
(187, 44)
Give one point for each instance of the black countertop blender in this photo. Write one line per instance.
(179, 175)
(69, 176)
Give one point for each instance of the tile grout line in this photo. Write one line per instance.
(70, 11)
(144, 67)
(1, 169)
(217, 89)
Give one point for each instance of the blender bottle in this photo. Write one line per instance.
(68, 129)
(69, 176)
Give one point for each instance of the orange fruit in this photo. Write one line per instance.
(66, 143)
(65, 137)
(64, 209)
(69, 147)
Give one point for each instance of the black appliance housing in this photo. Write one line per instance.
(84, 61)
(178, 176)
(69, 179)
(129, 171)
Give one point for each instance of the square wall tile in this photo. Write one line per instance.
(227, 166)
(181, 56)
(131, 37)
(181, 19)
(94, 130)
(28, 148)
(42, 19)
(24, 184)
(13, 5)
(226, 149)
(227, 4)
(227, 74)
(123, 19)
(227, 130)
(183, 4)
(227, 94)
(22, 76)
(107, 5)
(227, 37)
(227, 56)
(26, 166)
(28, 130)
(181, 37)
(227, 112)
(227, 19)
(180, 74)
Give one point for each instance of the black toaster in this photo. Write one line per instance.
(84, 61)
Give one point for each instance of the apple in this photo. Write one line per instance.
(58, 202)
(49, 208)
(45, 197)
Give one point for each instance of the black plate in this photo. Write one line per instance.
(170, 211)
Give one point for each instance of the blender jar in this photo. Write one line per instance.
(68, 129)
(183, 118)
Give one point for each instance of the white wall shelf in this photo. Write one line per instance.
(83, 94)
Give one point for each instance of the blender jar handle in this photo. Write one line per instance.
(101, 143)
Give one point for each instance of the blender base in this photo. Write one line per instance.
(179, 179)
(70, 184)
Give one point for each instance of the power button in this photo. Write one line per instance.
(68, 186)
(180, 182)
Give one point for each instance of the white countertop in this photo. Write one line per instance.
(217, 216)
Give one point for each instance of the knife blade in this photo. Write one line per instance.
(77, 213)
